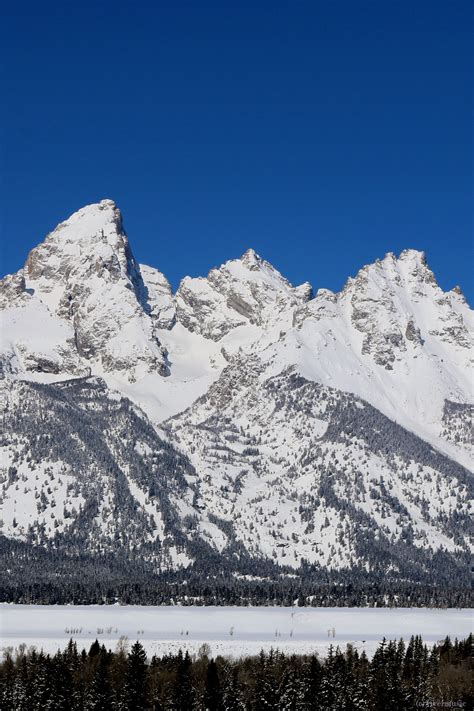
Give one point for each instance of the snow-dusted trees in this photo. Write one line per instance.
(398, 676)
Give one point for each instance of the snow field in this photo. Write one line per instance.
(229, 631)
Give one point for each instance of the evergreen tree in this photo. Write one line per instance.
(265, 691)
(20, 692)
(64, 686)
(327, 692)
(183, 694)
(360, 701)
(43, 685)
(99, 694)
(94, 649)
(118, 674)
(135, 689)
(232, 699)
(288, 691)
(7, 681)
(310, 685)
(212, 691)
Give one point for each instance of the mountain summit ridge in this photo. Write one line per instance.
(105, 314)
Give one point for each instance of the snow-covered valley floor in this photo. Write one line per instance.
(229, 631)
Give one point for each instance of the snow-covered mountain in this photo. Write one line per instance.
(240, 420)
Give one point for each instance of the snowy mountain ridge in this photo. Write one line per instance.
(331, 430)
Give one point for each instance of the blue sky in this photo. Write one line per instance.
(323, 134)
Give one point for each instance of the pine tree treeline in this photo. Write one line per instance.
(399, 676)
(49, 577)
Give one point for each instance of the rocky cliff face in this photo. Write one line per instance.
(331, 431)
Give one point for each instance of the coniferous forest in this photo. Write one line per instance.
(399, 676)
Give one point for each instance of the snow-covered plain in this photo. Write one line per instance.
(229, 631)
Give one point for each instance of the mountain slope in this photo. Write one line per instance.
(303, 471)
(84, 470)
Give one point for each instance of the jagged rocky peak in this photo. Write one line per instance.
(85, 274)
(389, 303)
(409, 270)
(242, 292)
(92, 242)
(251, 259)
(396, 305)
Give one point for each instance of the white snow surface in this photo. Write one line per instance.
(229, 631)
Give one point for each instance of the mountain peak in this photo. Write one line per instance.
(410, 268)
(85, 274)
(251, 259)
(107, 202)
(241, 292)
(413, 255)
(88, 220)
(407, 255)
(91, 239)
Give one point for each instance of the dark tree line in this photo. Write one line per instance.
(47, 576)
(399, 676)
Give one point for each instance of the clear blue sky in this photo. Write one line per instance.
(321, 133)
